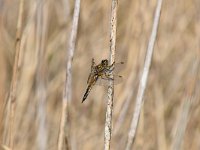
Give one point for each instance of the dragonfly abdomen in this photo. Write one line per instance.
(87, 92)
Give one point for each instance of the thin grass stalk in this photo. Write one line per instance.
(184, 114)
(128, 93)
(182, 123)
(3, 147)
(63, 133)
(144, 77)
(123, 113)
(42, 16)
(113, 30)
(13, 86)
(124, 109)
(160, 121)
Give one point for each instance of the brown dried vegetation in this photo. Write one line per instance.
(174, 76)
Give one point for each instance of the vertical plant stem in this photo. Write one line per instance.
(143, 80)
(160, 121)
(42, 16)
(13, 86)
(185, 112)
(68, 82)
(125, 107)
(113, 30)
(182, 123)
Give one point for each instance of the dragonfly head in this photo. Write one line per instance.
(104, 62)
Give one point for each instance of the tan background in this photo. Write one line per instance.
(176, 50)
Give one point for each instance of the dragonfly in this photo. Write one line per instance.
(100, 75)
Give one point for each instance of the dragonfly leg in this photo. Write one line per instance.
(107, 77)
(111, 67)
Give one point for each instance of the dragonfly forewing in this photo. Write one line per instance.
(118, 67)
(104, 81)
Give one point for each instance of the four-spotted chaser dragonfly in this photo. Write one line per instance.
(100, 74)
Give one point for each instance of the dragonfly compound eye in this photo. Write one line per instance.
(104, 62)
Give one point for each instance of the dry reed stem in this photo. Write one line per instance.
(123, 112)
(160, 121)
(113, 30)
(182, 123)
(184, 114)
(143, 80)
(126, 97)
(4, 147)
(13, 86)
(67, 87)
(42, 16)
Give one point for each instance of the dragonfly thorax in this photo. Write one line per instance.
(102, 67)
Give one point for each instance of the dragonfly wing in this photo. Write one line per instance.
(104, 81)
(118, 79)
(118, 67)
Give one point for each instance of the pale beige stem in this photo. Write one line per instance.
(13, 86)
(143, 80)
(41, 91)
(186, 105)
(113, 30)
(160, 121)
(63, 133)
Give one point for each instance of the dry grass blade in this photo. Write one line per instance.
(160, 120)
(182, 123)
(143, 80)
(113, 29)
(128, 98)
(67, 88)
(5, 147)
(42, 15)
(189, 98)
(42, 76)
(13, 86)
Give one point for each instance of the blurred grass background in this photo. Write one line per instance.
(176, 51)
